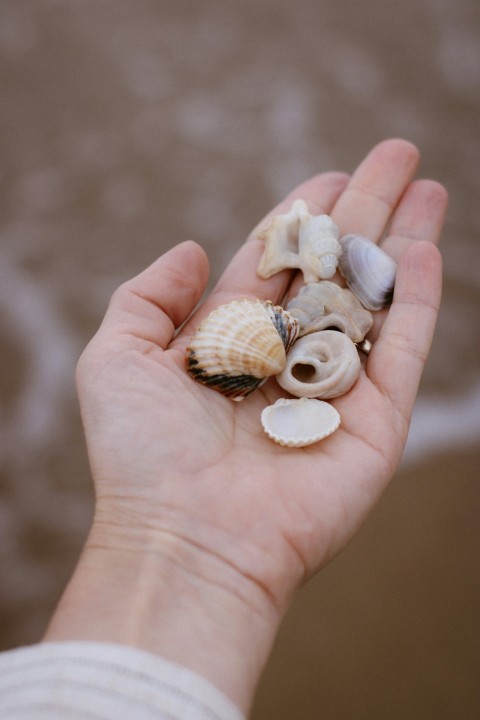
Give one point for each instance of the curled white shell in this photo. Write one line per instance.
(300, 422)
(239, 345)
(287, 325)
(368, 270)
(300, 240)
(324, 365)
(324, 305)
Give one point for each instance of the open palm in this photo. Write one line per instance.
(177, 458)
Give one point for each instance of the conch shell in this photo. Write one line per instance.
(300, 240)
(297, 423)
(239, 345)
(324, 305)
(368, 270)
(323, 365)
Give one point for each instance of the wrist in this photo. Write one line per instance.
(159, 592)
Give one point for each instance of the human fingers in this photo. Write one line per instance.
(240, 276)
(240, 279)
(375, 189)
(152, 305)
(398, 356)
(419, 216)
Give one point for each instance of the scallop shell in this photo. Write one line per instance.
(300, 240)
(297, 423)
(287, 324)
(324, 365)
(239, 345)
(324, 305)
(368, 270)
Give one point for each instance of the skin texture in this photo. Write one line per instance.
(204, 529)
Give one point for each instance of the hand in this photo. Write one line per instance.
(190, 475)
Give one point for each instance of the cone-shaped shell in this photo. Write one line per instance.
(318, 247)
(368, 270)
(239, 345)
(297, 423)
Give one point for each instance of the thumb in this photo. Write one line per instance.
(152, 305)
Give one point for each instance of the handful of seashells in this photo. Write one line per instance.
(311, 347)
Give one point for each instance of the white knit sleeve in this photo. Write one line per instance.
(102, 681)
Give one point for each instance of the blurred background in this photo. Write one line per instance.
(130, 125)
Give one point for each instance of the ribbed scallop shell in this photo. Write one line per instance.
(368, 270)
(239, 345)
(323, 365)
(288, 327)
(297, 423)
(324, 305)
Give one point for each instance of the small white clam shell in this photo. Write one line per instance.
(368, 270)
(324, 365)
(299, 422)
(323, 305)
(239, 345)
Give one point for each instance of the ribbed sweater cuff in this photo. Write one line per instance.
(102, 681)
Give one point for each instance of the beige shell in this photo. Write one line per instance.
(318, 248)
(287, 325)
(239, 345)
(323, 365)
(298, 423)
(281, 240)
(368, 270)
(324, 305)
(300, 240)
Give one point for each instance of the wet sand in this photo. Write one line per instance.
(130, 126)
